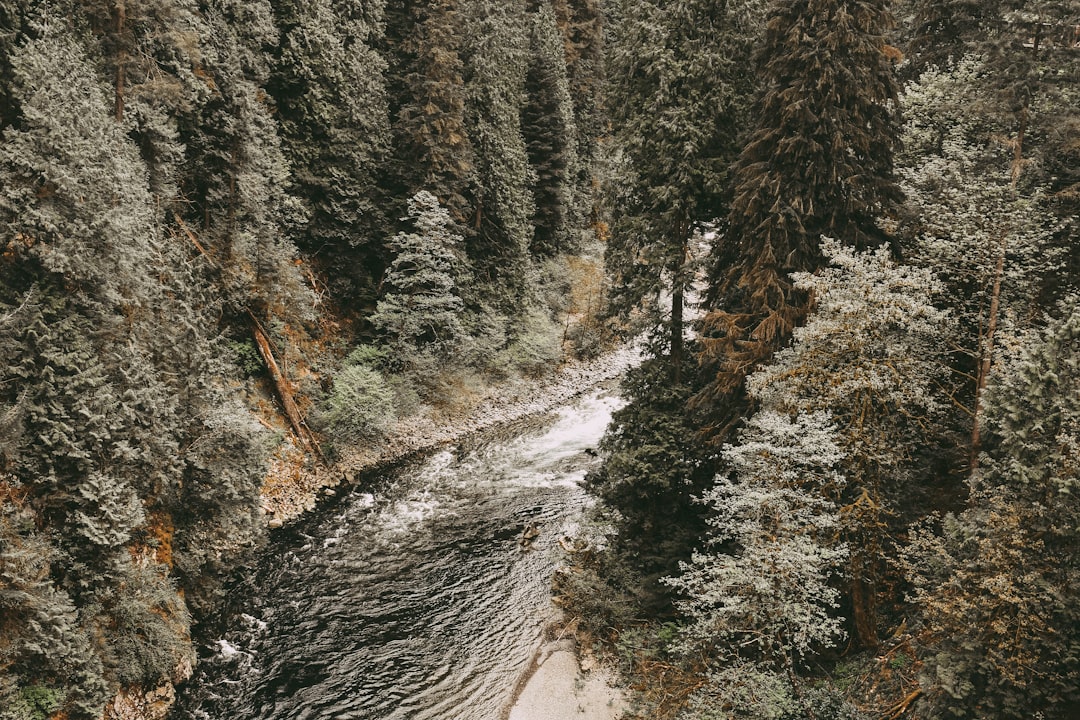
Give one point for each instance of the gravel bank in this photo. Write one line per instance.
(289, 493)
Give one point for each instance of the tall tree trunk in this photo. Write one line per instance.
(121, 58)
(678, 292)
(986, 359)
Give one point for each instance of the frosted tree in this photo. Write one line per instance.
(990, 237)
(764, 591)
(869, 354)
(420, 310)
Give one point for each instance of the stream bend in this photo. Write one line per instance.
(418, 602)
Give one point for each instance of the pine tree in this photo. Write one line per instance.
(989, 236)
(868, 355)
(237, 175)
(818, 161)
(582, 26)
(677, 95)
(551, 137)
(328, 84)
(997, 587)
(433, 149)
(496, 63)
(420, 311)
(764, 591)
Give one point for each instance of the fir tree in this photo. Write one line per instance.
(677, 95)
(764, 591)
(329, 87)
(551, 136)
(420, 311)
(997, 587)
(818, 161)
(433, 149)
(496, 62)
(868, 356)
(237, 175)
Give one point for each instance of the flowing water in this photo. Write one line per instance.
(417, 602)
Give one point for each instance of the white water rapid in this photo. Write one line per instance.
(414, 602)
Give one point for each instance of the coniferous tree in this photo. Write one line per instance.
(989, 236)
(420, 311)
(582, 26)
(764, 593)
(867, 356)
(552, 140)
(677, 92)
(818, 161)
(997, 587)
(237, 175)
(433, 150)
(497, 57)
(329, 87)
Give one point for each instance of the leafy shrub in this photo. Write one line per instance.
(536, 346)
(361, 405)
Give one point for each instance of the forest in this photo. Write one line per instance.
(242, 235)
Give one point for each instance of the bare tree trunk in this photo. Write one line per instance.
(985, 360)
(284, 391)
(121, 59)
(262, 342)
(678, 292)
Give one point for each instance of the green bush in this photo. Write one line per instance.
(361, 405)
(34, 702)
(246, 357)
(536, 346)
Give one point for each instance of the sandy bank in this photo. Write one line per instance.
(557, 687)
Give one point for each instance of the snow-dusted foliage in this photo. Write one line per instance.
(970, 208)
(765, 581)
(869, 345)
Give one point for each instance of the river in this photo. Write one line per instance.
(414, 601)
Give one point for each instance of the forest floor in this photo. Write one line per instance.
(294, 487)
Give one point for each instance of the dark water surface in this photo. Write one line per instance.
(417, 602)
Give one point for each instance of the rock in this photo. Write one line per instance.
(274, 523)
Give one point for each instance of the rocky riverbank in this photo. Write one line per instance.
(290, 491)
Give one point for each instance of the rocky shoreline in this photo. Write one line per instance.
(289, 493)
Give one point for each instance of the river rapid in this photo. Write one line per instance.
(416, 601)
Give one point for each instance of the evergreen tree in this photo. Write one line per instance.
(433, 149)
(818, 161)
(237, 176)
(990, 237)
(582, 25)
(765, 590)
(868, 356)
(496, 62)
(677, 95)
(420, 311)
(998, 586)
(552, 139)
(652, 472)
(329, 87)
